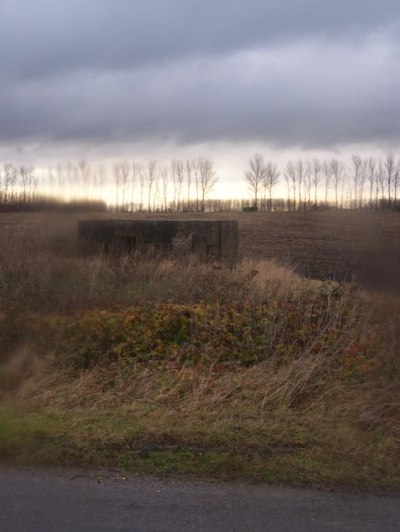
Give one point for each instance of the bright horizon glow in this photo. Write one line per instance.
(230, 162)
(230, 169)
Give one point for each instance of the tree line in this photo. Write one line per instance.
(185, 186)
(364, 182)
(131, 186)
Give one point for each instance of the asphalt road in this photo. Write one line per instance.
(77, 501)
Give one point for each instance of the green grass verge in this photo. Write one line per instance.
(132, 439)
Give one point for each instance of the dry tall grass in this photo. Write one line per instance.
(195, 353)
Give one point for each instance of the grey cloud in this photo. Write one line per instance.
(314, 94)
(294, 72)
(46, 36)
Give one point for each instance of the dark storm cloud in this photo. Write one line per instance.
(295, 72)
(43, 36)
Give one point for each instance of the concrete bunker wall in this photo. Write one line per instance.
(207, 238)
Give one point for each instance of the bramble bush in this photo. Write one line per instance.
(274, 331)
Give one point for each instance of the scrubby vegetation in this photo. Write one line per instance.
(164, 364)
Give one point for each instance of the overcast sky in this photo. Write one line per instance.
(224, 78)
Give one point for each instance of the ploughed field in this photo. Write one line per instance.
(363, 247)
(342, 245)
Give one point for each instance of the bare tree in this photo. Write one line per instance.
(50, 181)
(363, 178)
(9, 177)
(196, 174)
(33, 184)
(371, 176)
(125, 167)
(156, 192)
(10, 182)
(135, 176)
(2, 201)
(64, 174)
(189, 173)
(117, 183)
(271, 180)
(358, 176)
(207, 178)
(308, 180)
(2, 185)
(25, 177)
(381, 181)
(151, 176)
(122, 171)
(178, 175)
(389, 170)
(300, 177)
(13, 178)
(326, 173)
(142, 181)
(84, 177)
(396, 183)
(316, 178)
(164, 174)
(291, 178)
(256, 175)
(336, 173)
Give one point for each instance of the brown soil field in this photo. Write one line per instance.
(363, 247)
(342, 245)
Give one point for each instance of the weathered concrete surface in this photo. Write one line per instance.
(80, 501)
(207, 238)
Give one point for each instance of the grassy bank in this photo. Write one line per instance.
(167, 365)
